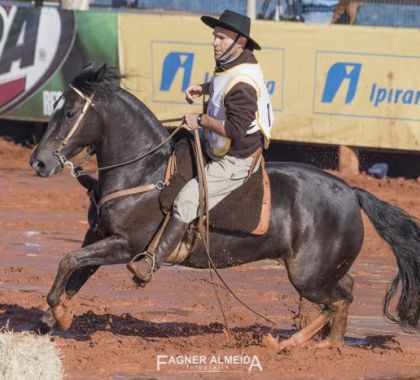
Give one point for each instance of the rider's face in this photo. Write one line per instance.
(223, 38)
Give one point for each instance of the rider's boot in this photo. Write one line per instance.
(143, 269)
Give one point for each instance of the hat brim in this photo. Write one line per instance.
(213, 22)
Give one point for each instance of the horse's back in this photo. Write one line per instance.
(309, 184)
(312, 196)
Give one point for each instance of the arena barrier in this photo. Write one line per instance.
(41, 49)
(329, 84)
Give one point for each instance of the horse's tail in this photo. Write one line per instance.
(402, 233)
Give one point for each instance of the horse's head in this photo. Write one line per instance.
(76, 121)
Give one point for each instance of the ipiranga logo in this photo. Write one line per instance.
(367, 85)
(341, 74)
(174, 62)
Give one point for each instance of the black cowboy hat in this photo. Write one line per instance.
(233, 21)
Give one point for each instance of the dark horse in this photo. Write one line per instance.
(315, 228)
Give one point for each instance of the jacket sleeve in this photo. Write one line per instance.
(240, 110)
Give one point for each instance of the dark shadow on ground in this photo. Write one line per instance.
(17, 317)
(384, 342)
(21, 319)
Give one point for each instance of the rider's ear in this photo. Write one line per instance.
(100, 73)
(242, 41)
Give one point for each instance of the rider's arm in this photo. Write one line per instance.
(206, 88)
(217, 126)
(195, 91)
(240, 110)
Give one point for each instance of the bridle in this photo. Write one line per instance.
(76, 170)
(75, 166)
(59, 151)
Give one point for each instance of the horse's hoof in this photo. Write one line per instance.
(288, 344)
(328, 343)
(62, 314)
(63, 317)
(268, 341)
(41, 328)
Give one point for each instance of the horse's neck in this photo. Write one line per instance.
(129, 134)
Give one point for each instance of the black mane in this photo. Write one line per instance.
(101, 80)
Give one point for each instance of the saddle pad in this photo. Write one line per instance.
(246, 209)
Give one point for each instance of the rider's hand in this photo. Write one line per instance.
(193, 92)
(190, 120)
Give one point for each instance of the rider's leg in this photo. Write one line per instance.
(172, 235)
(222, 178)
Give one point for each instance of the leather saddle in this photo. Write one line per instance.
(247, 209)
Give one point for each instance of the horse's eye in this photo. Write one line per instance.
(70, 114)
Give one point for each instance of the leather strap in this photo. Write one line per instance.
(123, 193)
(257, 156)
(88, 103)
(156, 239)
(170, 170)
(263, 225)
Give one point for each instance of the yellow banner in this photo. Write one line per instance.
(328, 84)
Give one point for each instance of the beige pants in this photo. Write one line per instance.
(223, 176)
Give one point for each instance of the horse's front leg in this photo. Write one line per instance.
(81, 275)
(112, 250)
(77, 279)
(75, 282)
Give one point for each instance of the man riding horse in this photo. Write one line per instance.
(315, 226)
(234, 130)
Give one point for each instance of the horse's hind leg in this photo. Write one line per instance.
(112, 250)
(340, 311)
(336, 304)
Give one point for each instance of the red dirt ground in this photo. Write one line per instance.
(119, 330)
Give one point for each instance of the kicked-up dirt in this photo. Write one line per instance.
(174, 328)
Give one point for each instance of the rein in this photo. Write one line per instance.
(138, 189)
(203, 227)
(77, 173)
(154, 149)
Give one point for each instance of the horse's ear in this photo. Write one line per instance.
(100, 73)
(88, 66)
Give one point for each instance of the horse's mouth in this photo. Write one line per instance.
(44, 171)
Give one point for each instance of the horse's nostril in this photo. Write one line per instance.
(38, 165)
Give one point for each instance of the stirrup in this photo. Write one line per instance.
(151, 258)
